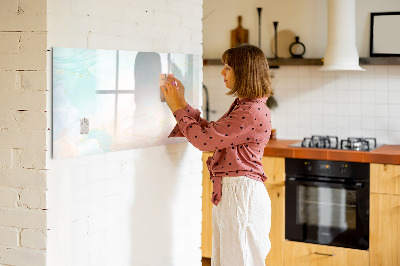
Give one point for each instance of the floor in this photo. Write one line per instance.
(206, 261)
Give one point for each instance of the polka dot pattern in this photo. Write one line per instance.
(238, 139)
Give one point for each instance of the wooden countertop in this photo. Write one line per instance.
(389, 154)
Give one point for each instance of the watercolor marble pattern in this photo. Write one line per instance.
(110, 100)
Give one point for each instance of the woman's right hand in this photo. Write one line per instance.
(181, 91)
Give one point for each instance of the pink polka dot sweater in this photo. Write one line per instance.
(238, 139)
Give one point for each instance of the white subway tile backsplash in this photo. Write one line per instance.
(381, 97)
(368, 122)
(369, 70)
(380, 84)
(342, 96)
(305, 95)
(381, 110)
(342, 122)
(304, 109)
(328, 74)
(329, 123)
(291, 71)
(394, 123)
(292, 83)
(394, 83)
(293, 120)
(342, 109)
(382, 136)
(394, 110)
(355, 96)
(367, 96)
(304, 72)
(381, 123)
(303, 82)
(329, 93)
(317, 95)
(317, 131)
(354, 84)
(394, 137)
(355, 132)
(329, 109)
(355, 122)
(355, 109)
(344, 102)
(380, 71)
(393, 71)
(367, 110)
(278, 83)
(316, 82)
(278, 72)
(342, 133)
(367, 133)
(342, 80)
(394, 97)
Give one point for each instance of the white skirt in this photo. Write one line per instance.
(241, 223)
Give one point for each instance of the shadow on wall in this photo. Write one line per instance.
(156, 174)
(152, 214)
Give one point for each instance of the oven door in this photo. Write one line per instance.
(327, 213)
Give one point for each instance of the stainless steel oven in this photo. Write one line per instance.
(327, 202)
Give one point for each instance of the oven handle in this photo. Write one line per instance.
(357, 185)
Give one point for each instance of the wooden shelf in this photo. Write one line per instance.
(274, 63)
(295, 62)
(380, 61)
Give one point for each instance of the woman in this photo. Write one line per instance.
(241, 213)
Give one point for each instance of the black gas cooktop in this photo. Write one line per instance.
(332, 142)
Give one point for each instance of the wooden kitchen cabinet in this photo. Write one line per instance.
(277, 233)
(306, 254)
(274, 168)
(206, 225)
(384, 236)
(385, 178)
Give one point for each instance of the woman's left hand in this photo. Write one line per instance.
(171, 95)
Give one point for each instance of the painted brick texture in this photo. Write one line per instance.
(23, 132)
(118, 208)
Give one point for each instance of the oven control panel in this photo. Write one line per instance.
(338, 169)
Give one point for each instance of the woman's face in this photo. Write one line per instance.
(229, 76)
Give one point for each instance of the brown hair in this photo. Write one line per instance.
(250, 66)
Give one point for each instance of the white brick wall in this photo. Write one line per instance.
(23, 129)
(136, 207)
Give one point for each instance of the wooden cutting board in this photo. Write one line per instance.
(239, 35)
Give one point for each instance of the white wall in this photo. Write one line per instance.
(136, 207)
(311, 102)
(23, 133)
(305, 18)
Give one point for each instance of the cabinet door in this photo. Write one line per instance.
(384, 229)
(206, 232)
(305, 254)
(274, 168)
(385, 178)
(277, 233)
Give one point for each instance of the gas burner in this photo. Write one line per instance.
(332, 142)
(327, 142)
(358, 144)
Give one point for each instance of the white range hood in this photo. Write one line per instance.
(341, 51)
